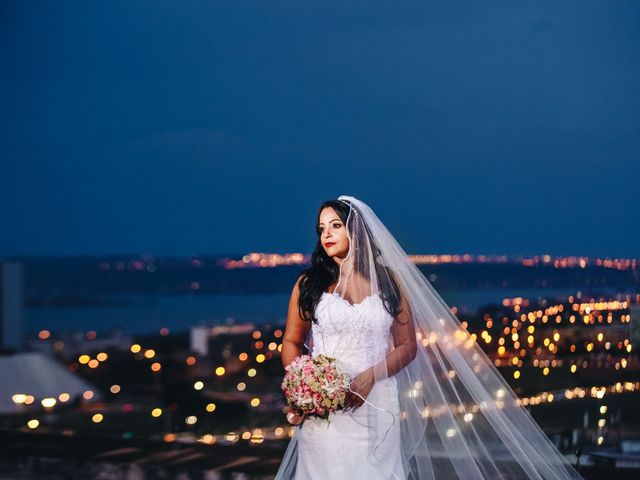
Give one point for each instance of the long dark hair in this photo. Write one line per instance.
(324, 271)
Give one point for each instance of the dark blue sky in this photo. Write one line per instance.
(218, 127)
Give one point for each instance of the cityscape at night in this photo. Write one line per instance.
(216, 382)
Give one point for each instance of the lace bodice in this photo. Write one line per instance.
(357, 335)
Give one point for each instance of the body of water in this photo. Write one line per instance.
(147, 314)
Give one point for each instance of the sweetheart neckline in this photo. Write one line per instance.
(334, 294)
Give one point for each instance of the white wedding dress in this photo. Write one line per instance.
(361, 443)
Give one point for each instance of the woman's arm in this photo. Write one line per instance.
(406, 347)
(296, 329)
(404, 341)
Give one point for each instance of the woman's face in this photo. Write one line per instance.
(333, 234)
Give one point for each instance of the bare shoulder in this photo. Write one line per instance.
(297, 284)
(295, 297)
(296, 325)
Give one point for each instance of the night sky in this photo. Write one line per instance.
(215, 127)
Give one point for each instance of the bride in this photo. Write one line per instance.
(425, 402)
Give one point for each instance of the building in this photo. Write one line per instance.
(32, 379)
(11, 305)
(202, 334)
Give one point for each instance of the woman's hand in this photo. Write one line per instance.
(361, 385)
(295, 418)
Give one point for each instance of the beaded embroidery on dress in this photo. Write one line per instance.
(357, 335)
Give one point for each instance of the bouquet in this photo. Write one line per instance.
(314, 386)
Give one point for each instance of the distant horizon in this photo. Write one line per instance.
(240, 254)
